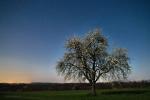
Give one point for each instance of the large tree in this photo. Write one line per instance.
(87, 58)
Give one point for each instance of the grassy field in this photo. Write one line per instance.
(115, 94)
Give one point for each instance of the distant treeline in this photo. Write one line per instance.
(71, 86)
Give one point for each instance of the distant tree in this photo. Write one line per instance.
(87, 58)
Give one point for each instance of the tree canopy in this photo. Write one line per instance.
(88, 58)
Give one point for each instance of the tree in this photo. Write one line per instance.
(87, 58)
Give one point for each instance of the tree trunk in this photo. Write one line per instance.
(93, 92)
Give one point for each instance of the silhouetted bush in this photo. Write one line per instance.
(71, 86)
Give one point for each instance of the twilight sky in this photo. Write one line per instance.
(33, 32)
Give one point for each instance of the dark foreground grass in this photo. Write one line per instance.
(114, 94)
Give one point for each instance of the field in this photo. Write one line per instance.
(105, 94)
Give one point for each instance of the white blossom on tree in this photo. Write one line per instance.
(88, 59)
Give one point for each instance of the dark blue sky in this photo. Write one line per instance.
(33, 32)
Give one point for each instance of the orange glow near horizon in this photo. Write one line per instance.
(14, 77)
(15, 80)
